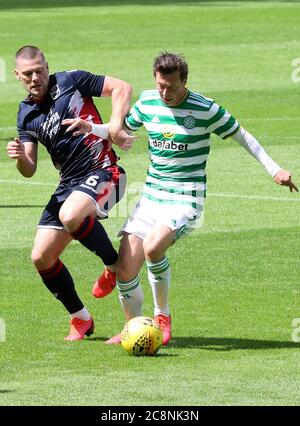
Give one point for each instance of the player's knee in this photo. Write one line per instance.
(151, 249)
(69, 219)
(123, 273)
(35, 257)
(127, 270)
(41, 260)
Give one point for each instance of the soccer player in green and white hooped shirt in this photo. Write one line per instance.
(179, 123)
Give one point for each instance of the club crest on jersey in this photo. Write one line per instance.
(189, 122)
(54, 92)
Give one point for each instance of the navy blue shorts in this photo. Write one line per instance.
(105, 187)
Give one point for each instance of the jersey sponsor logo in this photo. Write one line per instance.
(169, 135)
(55, 92)
(51, 124)
(189, 122)
(168, 145)
(168, 132)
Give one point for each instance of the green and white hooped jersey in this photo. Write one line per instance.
(179, 144)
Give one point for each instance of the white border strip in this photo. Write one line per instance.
(3, 129)
(252, 197)
(209, 194)
(25, 182)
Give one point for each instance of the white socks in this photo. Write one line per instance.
(131, 297)
(159, 275)
(82, 314)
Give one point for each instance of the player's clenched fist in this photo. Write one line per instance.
(15, 149)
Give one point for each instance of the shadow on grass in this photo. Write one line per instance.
(99, 339)
(7, 390)
(221, 343)
(160, 354)
(229, 344)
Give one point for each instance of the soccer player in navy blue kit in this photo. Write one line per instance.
(91, 182)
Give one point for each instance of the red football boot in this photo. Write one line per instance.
(104, 284)
(165, 324)
(80, 328)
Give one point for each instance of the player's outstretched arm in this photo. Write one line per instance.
(283, 177)
(120, 93)
(77, 125)
(81, 126)
(125, 139)
(280, 176)
(25, 156)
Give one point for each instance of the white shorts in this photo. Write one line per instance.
(148, 214)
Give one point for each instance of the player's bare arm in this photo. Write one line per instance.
(25, 156)
(120, 93)
(125, 140)
(81, 126)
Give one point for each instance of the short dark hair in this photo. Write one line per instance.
(167, 63)
(29, 52)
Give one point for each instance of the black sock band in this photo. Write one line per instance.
(93, 236)
(84, 229)
(60, 283)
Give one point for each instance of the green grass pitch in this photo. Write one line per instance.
(235, 281)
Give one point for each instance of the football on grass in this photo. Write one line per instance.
(141, 336)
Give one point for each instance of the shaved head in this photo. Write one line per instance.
(28, 53)
(32, 70)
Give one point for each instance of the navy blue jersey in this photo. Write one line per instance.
(69, 96)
